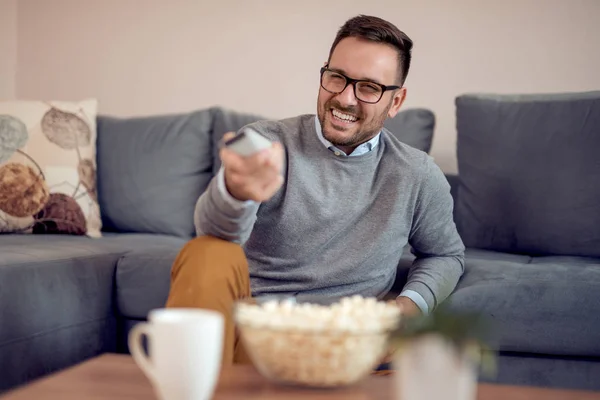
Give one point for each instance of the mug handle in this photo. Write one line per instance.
(136, 350)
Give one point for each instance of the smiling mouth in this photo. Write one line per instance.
(346, 119)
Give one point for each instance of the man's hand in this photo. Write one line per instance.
(256, 177)
(409, 308)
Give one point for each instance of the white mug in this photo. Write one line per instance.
(185, 347)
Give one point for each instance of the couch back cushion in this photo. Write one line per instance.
(529, 170)
(151, 171)
(414, 127)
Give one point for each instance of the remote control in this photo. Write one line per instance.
(247, 142)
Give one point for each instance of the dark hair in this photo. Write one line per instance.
(377, 30)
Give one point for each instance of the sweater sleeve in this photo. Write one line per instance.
(438, 248)
(218, 214)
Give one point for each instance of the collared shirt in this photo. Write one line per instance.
(359, 151)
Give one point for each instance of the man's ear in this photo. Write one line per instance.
(397, 102)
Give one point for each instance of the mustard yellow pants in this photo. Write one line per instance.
(212, 274)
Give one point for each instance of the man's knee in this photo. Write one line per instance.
(209, 272)
(207, 243)
(204, 254)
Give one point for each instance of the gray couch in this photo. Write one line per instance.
(64, 299)
(527, 206)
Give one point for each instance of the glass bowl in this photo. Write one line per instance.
(288, 349)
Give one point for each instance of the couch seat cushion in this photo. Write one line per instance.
(56, 303)
(58, 280)
(49, 282)
(408, 257)
(143, 277)
(56, 299)
(543, 305)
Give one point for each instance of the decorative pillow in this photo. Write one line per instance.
(529, 171)
(48, 168)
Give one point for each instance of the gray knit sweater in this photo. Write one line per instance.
(339, 225)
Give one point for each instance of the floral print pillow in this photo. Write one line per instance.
(48, 168)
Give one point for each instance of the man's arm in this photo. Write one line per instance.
(228, 207)
(438, 248)
(218, 214)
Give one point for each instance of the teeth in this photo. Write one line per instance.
(345, 117)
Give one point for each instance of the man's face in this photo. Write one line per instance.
(359, 59)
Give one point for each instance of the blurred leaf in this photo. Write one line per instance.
(13, 136)
(87, 176)
(460, 328)
(65, 129)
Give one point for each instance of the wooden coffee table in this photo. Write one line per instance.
(117, 377)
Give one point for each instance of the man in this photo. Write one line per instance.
(326, 210)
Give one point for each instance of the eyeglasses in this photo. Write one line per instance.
(365, 91)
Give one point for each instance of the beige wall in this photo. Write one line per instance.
(8, 48)
(158, 56)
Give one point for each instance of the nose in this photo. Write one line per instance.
(347, 96)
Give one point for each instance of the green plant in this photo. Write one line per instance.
(468, 333)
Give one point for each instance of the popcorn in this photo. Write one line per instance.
(352, 314)
(317, 345)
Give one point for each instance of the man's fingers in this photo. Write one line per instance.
(249, 164)
(275, 159)
(256, 177)
(259, 159)
(277, 156)
(231, 160)
(228, 135)
(273, 186)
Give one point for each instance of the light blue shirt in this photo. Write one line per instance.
(358, 151)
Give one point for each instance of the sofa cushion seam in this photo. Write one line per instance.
(45, 261)
(46, 332)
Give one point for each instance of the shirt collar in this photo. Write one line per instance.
(360, 150)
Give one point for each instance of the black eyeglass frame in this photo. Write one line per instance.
(353, 82)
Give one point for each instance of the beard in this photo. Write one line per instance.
(362, 132)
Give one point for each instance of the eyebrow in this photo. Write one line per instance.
(341, 71)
